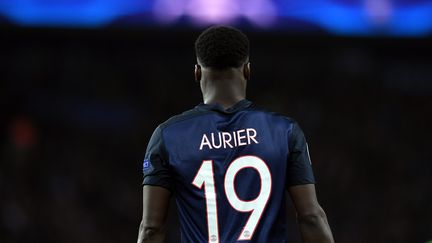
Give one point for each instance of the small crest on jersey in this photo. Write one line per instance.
(146, 165)
(213, 238)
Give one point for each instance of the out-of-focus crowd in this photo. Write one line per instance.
(78, 107)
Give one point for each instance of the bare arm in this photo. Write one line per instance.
(155, 211)
(312, 220)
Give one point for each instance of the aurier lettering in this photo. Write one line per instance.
(232, 139)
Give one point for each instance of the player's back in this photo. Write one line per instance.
(229, 170)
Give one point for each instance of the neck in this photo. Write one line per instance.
(225, 88)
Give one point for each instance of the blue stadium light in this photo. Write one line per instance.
(83, 13)
(363, 17)
(413, 21)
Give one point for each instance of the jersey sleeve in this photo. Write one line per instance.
(155, 166)
(299, 169)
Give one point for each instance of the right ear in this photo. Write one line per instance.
(247, 71)
(197, 73)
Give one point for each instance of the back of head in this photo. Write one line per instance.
(222, 47)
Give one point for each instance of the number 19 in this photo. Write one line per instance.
(205, 177)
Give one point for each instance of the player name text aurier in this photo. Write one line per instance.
(232, 139)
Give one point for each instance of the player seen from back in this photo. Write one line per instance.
(227, 163)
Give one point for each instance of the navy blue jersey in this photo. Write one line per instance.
(229, 170)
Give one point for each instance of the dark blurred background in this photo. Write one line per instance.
(79, 104)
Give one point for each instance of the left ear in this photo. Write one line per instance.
(247, 71)
(197, 73)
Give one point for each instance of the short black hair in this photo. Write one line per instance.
(222, 47)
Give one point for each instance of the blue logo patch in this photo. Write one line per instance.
(146, 165)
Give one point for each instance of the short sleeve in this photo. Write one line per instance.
(155, 166)
(299, 170)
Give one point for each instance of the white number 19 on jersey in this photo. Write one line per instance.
(205, 177)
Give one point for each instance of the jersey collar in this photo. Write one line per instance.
(242, 104)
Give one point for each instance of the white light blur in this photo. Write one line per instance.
(260, 12)
(212, 11)
(167, 11)
(201, 12)
(379, 11)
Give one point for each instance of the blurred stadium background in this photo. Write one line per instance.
(83, 83)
